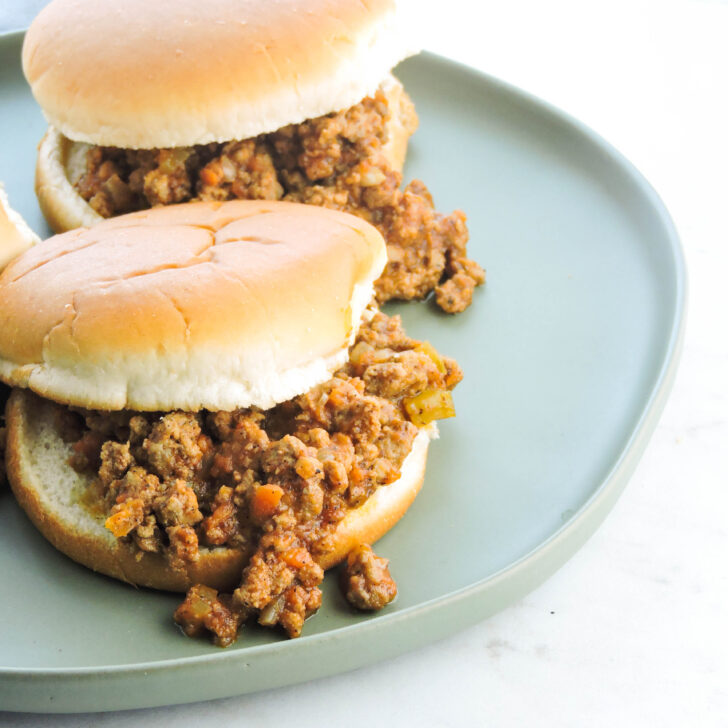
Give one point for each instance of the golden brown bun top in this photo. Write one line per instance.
(203, 305)
(143, 74)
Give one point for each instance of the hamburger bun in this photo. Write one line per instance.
(15, 235)
(51, 493)
(145, 75)
(61, 162)
(198, 306)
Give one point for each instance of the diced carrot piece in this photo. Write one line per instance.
(356, 475)
(336, 397)
(265, 501)
(126, 519)
(295, 558)
(209, 177)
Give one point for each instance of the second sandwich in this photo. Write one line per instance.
(160, 103)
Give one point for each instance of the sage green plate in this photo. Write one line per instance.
(569, 352)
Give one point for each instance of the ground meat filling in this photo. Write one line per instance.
(273, 483)
(335, 161)
(367, 583)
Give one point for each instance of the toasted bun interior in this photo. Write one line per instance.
(159, 74)
(51, 493)
(61, 162)
(198, 306)
(15, 235)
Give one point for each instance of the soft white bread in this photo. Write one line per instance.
(15, 235)
(160, 74)
(61, 162)
(198, 306)
(52, 494)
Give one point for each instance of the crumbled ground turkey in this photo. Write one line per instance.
(335, 161)
(275, 483)
(367, 583)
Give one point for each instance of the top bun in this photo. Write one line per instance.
(196, 306)
(143, 74)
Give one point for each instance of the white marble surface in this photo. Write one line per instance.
(632, 630)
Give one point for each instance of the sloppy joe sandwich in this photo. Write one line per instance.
(205, 400)
(157, 103)
(15, 237)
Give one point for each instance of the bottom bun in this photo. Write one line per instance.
(50, 491)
